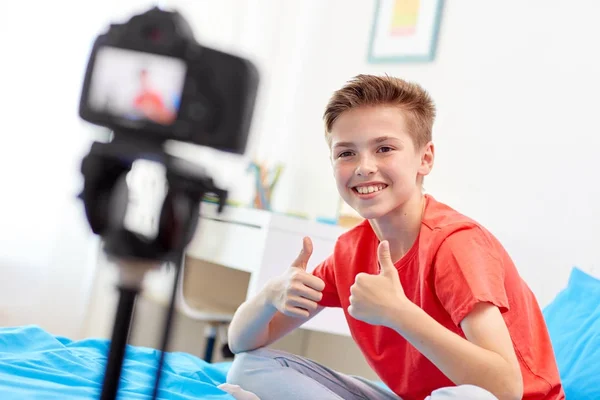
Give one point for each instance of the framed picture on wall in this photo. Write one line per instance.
(405, 30)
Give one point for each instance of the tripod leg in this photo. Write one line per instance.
(167, 325)
(118, 343)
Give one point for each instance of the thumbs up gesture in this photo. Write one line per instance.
(296, 292)
(375, 298)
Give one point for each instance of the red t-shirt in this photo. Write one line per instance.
(454, 264)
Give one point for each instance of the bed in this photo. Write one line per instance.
(37, 365)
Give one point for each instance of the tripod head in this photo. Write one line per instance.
(149, 81)
(179, 187)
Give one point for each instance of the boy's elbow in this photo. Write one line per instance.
(507, 393)
(517, 384)
(237, 350)
(233, 348)
(513, 394)
(512, 388)
(233, 342)
(517, 390)
(236, 346)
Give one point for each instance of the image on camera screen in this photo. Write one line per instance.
(137, 86)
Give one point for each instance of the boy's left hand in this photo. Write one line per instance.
(375, 299)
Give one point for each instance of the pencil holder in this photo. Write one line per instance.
(265, 181)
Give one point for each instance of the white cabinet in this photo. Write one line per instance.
(261, 243)
(283, 243)
(234, 238)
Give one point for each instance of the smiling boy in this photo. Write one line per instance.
(432, 299)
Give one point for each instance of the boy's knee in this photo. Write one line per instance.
(247, 365)
(238, 368)
(462, 392)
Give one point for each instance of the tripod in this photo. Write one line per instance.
(130, 285)
(106, 201)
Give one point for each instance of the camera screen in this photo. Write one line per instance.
(137, 86)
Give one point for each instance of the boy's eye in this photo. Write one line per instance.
(384, 149)
(345, 154)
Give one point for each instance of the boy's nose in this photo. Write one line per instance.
(366, 167)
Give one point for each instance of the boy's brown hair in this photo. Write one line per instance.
(371, 90)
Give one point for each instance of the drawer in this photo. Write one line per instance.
(281, 248)
(230, 243)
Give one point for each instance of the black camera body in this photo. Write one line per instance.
(150, 80)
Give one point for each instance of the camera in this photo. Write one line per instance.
(151, 80)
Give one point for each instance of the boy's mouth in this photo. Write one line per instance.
(369, 190)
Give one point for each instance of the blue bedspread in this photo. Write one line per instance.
(37, 365)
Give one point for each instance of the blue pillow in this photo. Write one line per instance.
(573, 320)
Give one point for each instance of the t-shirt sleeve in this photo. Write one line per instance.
(468, 269)
(326, 272)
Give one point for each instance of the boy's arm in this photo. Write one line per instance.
(285, 303)
(486, 359)
(257, 323)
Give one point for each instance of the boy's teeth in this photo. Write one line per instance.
(369, 189)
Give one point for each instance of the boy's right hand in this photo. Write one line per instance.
(296, 292)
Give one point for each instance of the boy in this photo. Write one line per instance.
(431, 297)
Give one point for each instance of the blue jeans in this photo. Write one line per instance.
(276, 375)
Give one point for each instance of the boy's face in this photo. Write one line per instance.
(376, 166)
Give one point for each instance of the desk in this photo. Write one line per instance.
(261, 243)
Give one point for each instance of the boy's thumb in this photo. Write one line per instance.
(385, 259)
(302, 260)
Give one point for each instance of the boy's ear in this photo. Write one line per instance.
(427, 159)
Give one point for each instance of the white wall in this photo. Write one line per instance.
(516, 85)
(46, 249)
(43, 56)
